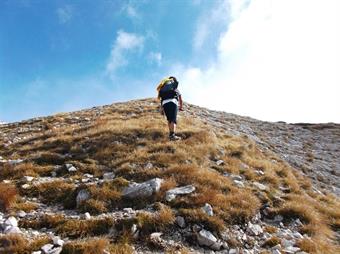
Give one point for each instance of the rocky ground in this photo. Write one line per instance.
(311, 149)
(314, 149)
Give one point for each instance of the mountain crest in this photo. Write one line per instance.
(107, 180)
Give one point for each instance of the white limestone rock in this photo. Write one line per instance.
(46, 248)
(278, 218)
(88, 176)
(171, 194)
(109, 176)
(149, 165)
(297, 235)
(57, 250)
(12, 230)
(206, 238)
(28, 178)
(57, 241)
(260, 186)
(70, 168)
(291, 249)
(236, 177)
(82, 196)
(145, 189)
(87, 216)
(239, 183)
(207, 208)
(180, 221)
(14, 162)
(275, 251)
(219, 162)
(11, 221)
(254, 229)
(234, 251)
(134, 231)
(21, 214)
(25, 186)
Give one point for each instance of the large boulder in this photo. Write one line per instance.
(145, 189)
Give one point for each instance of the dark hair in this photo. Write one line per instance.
(175, 79)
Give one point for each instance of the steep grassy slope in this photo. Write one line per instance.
(231, 173)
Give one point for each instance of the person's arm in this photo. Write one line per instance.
(180, 102)
(161, 110)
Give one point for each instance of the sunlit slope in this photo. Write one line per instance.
(114, 146)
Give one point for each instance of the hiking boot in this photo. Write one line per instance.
(173, 137)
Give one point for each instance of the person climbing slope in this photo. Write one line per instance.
(171, 101)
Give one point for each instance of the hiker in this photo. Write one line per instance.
(170, 97)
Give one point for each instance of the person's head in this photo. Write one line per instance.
(174, 79)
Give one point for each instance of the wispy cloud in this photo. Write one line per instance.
(131, 11)
(276, 61)
(65, 14)
(124, 43)
(211, 21)
(155, 57)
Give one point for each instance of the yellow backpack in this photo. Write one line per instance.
(161, 84)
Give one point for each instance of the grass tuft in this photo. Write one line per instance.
(8, 196)
(86, 246)
(85, 228)
(155, 222)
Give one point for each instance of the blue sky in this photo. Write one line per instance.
(240, 56)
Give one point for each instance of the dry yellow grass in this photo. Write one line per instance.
(84, 228)
(25, 206)
(87, 246)
(156, 222)
(12, 243)
(236, 207)
(17, 171)
(193, 216)
(16, 243)
(120, 248)
(316, 217)
(37, 243)
(46, 221)
(271, 242)
(270, 229)
(93, 206)
(102, 198)
(8, 196)
(57, 191)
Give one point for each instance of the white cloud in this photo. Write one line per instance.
(155, 57)
(278, 60)
(64, 14)
(124, 43)
(131, 11)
